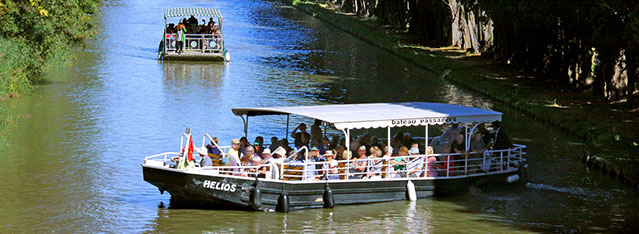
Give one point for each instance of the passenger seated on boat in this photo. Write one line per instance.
(284, 144)
(375, 163)
(212, 148)
(234, 155)
(399, 164)
(211, 22)
(431, 163)
(457, 146)
(323, 146)
(274, 144)
(317, 158)
(477, 149)
(247, 160)
(359, 164)
(486, 135)
(416, 163)
(302, 138)
(205, 160)
(259, 140)
(266, 156)
(330, 167)
(235, 148)
(243, 144)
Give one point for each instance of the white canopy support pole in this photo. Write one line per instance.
(347, 134)
(426, 140)
(390, 150)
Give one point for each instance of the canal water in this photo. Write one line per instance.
(72, 163)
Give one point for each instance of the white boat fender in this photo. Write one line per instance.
(410, 190)
(256, 196)
(227, 56)
(329, 201)
(282, 203)
(512, 178)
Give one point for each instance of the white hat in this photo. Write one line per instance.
(363, 147)
(414, 151)
(329, 152)
(266, 151)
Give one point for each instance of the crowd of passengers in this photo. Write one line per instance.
(370, 154)
(190, 26)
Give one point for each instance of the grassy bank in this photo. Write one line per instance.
(35, 36)
(608, 130)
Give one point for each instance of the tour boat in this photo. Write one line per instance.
(198, 46)
(287, 184)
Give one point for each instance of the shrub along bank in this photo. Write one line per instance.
(605, 131)
(36, 35)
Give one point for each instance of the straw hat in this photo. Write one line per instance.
(235, 141)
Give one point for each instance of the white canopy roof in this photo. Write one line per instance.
(382, 115)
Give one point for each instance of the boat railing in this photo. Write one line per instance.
(445, 166)
(203, 43)
(206, 135)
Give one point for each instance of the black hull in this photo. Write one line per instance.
(226, 192)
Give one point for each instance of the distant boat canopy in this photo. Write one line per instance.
(188, 11)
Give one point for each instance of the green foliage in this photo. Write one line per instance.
(34, 35)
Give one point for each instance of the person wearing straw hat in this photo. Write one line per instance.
(330, 167)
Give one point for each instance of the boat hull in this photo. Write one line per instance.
(195, 56)
(230, 192)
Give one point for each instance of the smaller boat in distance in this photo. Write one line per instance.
(190, 39)
(290, 179)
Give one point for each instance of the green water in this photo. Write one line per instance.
(73, 164)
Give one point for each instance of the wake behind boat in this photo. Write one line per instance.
(289, 179)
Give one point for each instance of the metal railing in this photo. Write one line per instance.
(450, 165)
(203, 43)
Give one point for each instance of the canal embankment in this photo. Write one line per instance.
(607, 131)
(35, 37)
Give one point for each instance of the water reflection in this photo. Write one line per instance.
(204, 75)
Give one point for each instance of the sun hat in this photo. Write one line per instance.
(329, 153)
(235, 141)
(363, 147)
(414, 151)
(314, 148)
(266, 151)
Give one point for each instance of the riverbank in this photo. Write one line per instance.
(35, 37)
(607, 129)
